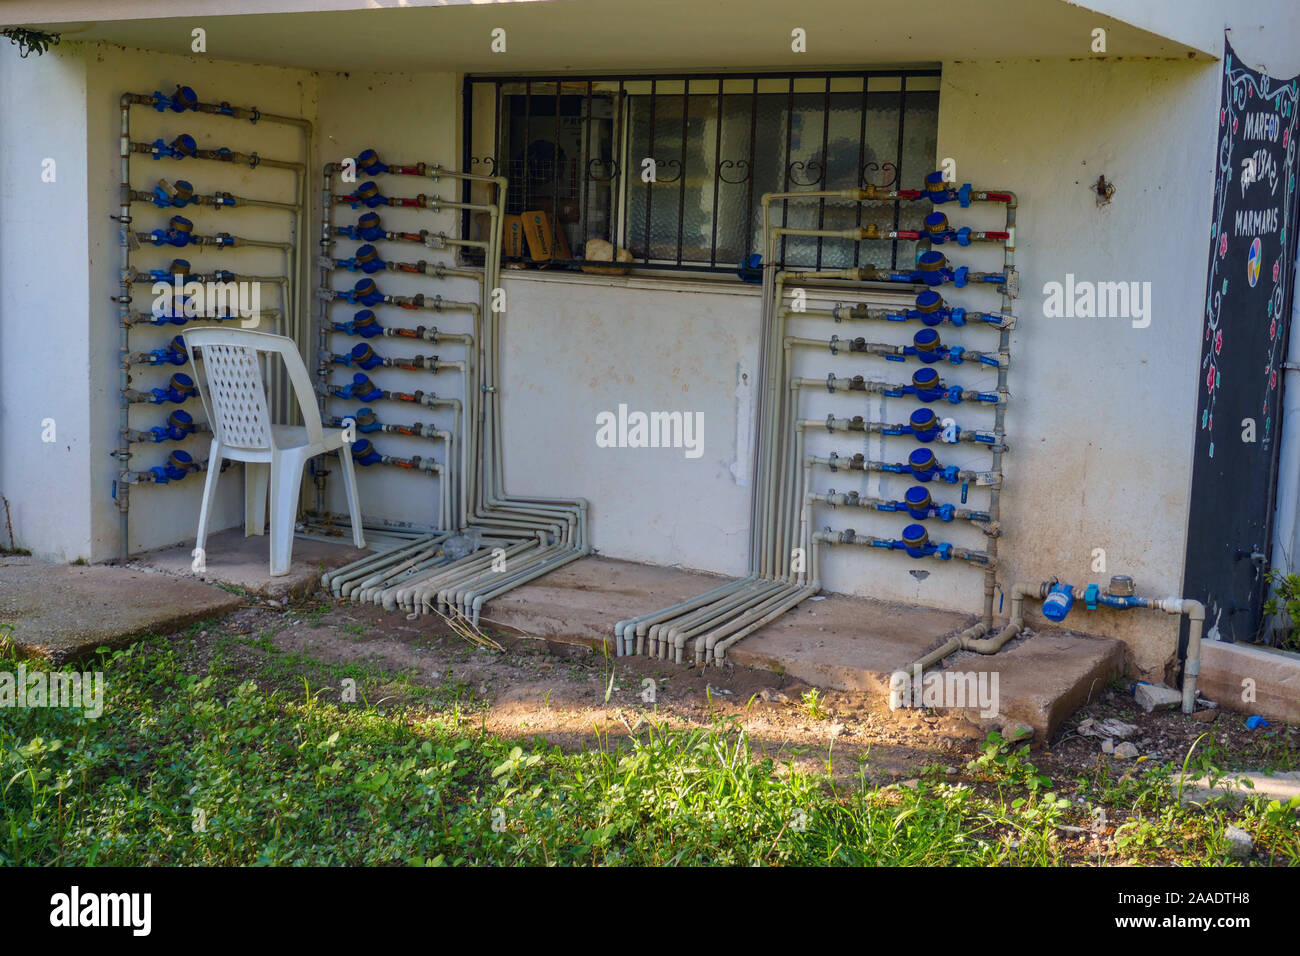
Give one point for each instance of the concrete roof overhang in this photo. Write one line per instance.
(601, 35)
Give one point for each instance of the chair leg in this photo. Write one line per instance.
(257, 476)
(209, 495)
(286, 481)
(354, 503)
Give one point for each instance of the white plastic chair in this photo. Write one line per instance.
(234, 399)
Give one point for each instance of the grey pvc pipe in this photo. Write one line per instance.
(970, 639)
(293, 280)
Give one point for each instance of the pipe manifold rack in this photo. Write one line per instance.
(191, 218)
(486, 541)
(942, 462)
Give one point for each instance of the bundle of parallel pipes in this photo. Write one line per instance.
(363, 325)
(785, 552)
(491, 541)
(183, 305)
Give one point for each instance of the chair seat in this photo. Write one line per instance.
(295, 436)
(288, 438)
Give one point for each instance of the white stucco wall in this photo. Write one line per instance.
(407, 119)
(1100, 423)
(579, 346)
(1101, 418)
(44, 326)
(165, 514)
(1096, 405)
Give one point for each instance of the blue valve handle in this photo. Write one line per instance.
(369, 268)
(920, 434)
(369, 163)
(178, 465)
(962, 195)
(162, 200)
(944, 513)
(361, 233)
(360, 388)
(355, 200)
(364, 453)
(358, 358)
(173, 237)
(178, 102)
(365, 331)
(180, 388)
(960, 236)
(943, 549)
(179, 426)
(356, 296)
(174, 353)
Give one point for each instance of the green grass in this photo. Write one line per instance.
(184, 769)
(812, 703)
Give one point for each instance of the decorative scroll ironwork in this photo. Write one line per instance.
(806, 166)
(737, 164)
(555, 117)
(598, 162)
(888, 171)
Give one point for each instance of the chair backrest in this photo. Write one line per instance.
(235, 396)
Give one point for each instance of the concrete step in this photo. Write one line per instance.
(64, 612)
(246, 562)
(1045, 677)
(832, 641)
(1251, 679)
(1235, 789)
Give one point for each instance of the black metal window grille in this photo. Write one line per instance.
(672, 167)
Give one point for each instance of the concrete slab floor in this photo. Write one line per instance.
(835, 642)
(1252, 680)
(1045, 677)
(246, 563)
(1236, 788)
(64, 612)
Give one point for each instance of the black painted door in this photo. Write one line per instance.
(1243, 345)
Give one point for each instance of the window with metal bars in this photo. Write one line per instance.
(672, 168)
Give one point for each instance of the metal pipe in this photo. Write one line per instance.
(185, 99)
(546, 533)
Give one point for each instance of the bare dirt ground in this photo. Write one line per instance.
(576, 697)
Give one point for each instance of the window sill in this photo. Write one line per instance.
(660, 281)
(677, 282)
